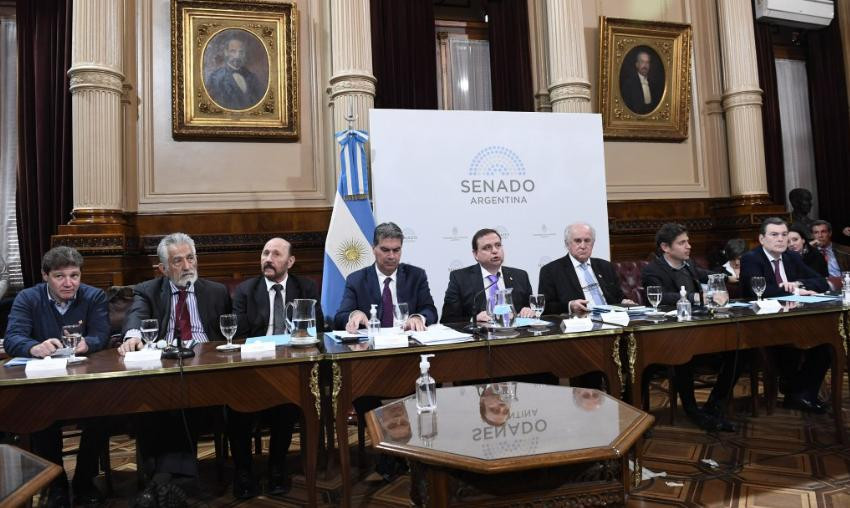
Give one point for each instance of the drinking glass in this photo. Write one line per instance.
(400, 315)
(71, 335)
(720, 297)
(653, 294)
(227, 322)
(537, 302)
(150, 332)
(758, 284)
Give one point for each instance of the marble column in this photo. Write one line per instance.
(96, 84)
(539, 54)
(569, 88)
(352, 85)
(741, 99)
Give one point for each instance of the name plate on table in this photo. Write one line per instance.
(390, 340)
(615, 318)
(577, 325)
(258, 346)
(142, 356)
(47, 367)
(768, 306)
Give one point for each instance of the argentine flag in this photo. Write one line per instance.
(348, 245)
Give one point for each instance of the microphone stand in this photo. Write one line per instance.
(178, 350)
(473, 326)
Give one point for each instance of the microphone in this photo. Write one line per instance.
(473, 326)
(178, 351)
(697, 284)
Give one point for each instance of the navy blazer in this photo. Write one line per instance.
(755, 263)
(362, 290)
(152, 300)
(251, 303)
(560, 285)
(465, 294)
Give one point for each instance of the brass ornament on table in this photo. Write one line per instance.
(667, 47)
(615, 354)
(632, 356)
(336, 385)
(234, 69)
(843, 331)
(315, 389)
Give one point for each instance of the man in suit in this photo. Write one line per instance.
(34, 330)
(387, 282)
(186, 307)
(471, 288)
(837, 257)
(233, 85)
(785, 273)
(259, 303)
(641, 92)
(672, 270)
(576, 281)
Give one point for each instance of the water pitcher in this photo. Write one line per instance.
(502, 308)
(302, 326)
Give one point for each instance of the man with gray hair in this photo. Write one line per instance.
(197, 302)
(186, 307)
(386, 283)
(577, 281)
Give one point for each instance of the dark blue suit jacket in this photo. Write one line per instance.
(362, 290)
(755, 263)
(465, 294)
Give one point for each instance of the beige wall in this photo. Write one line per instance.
(215, 175)
(694, 168)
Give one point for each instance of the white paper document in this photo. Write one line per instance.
(440, 334)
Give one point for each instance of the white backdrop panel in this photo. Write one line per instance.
(443, 175)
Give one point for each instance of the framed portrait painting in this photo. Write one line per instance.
(644, 79)
(234, 69)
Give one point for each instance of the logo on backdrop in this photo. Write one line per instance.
(456, 264)
(503, 232)
(544, 232)
(409, 234)
(497, 177)
(454, 236)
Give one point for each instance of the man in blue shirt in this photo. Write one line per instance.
(35, 330)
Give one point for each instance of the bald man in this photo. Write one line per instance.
(254, 302)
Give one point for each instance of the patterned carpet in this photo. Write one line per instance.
(787, 459)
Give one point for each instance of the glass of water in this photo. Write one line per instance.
(400, 315)
(227, 322)
(71, 335)
(653, 294)
(537, 302)
(758, 284)
(150, 332)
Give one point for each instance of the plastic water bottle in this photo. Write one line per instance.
(683, 306)
(426, 388)
(373, 328)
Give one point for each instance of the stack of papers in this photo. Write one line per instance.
(440, 334)
(634, 310)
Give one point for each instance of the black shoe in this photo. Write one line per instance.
(725, 425)
(86, 494)
(244, 485)
(58, 497)
(279, 482)
(704, 421)
(805, 404)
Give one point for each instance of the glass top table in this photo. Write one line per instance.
(22, 474)
(509, 426)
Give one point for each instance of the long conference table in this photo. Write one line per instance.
(104, 385)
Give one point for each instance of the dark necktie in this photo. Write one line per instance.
(279, 323)
(777, 272)
(387, 305)
(825, 255)
(184, 324)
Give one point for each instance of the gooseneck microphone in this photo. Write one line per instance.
(473, 325)
(177, 350)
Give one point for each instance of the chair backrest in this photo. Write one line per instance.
(630, 279)
(119, 300)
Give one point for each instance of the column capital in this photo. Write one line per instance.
(349, 83)
(95, 77)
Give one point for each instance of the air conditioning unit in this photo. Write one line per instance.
(796, 13)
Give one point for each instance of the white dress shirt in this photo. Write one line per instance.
(644, 84)
(269, 284)
(781, 265)
(500, 283)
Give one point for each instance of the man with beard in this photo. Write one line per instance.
(186, 307)
(234, 86)
(259, 303)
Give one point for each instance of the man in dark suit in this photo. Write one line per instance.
(672, 270)
(386, 283)
(785, 273)
(259, 303)
(233, 85)
(571, 283)
(640, 90)
(186, 307)
(837, 257)
(466, 298)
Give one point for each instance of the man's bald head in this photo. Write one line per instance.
(276, 259)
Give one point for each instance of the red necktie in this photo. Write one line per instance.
(776, 272)
(387, 305)
(825, 255)
(184, 324)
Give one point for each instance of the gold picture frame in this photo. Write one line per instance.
(644, 79)
(234, 69)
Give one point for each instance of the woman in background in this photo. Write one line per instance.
(798, 241)
(732, 252)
